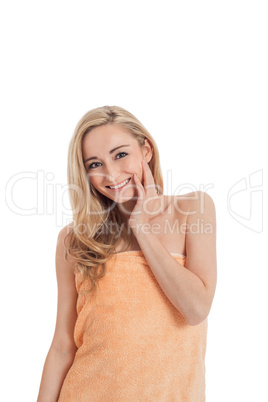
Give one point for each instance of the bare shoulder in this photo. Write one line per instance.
(65, 231)
(62, 246)
(196, 202)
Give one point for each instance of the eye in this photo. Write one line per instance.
(94, 164)
(121, 153)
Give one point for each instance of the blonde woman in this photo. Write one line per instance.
(136, 273)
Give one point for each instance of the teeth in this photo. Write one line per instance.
(120, 185)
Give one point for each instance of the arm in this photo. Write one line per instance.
(62, 350)
(56, 366)
(190, 289)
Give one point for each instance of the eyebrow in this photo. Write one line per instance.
(112, 150)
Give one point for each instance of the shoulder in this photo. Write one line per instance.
(194, 203)
(63, 246)
(63, 233)
(66, 229)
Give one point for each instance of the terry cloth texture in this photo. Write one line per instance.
(133, 344)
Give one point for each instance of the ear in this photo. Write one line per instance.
(147, 150)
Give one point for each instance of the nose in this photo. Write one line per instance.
(112, 173)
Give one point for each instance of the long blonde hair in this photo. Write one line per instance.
(91, 247)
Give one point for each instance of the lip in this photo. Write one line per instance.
(120, 188)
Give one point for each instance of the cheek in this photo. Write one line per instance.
(95, 180)
(133, 165)
(98, 177)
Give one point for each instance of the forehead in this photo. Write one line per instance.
(107, 135)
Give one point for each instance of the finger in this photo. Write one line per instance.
(139, 187)
(149, 183)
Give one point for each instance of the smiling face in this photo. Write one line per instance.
(111, 156)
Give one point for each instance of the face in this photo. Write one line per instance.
(111, 157)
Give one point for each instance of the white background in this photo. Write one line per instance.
(195, 74)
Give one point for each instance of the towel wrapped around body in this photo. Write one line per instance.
(133, 344)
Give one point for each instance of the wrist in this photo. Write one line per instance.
(142, 230)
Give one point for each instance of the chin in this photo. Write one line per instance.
(126, 200)
(121, 200)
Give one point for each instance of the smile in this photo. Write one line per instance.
(123, 184)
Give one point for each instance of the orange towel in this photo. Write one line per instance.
(133, 344)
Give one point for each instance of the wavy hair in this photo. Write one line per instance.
(90, 241)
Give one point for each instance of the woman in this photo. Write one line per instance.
(136, 273)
